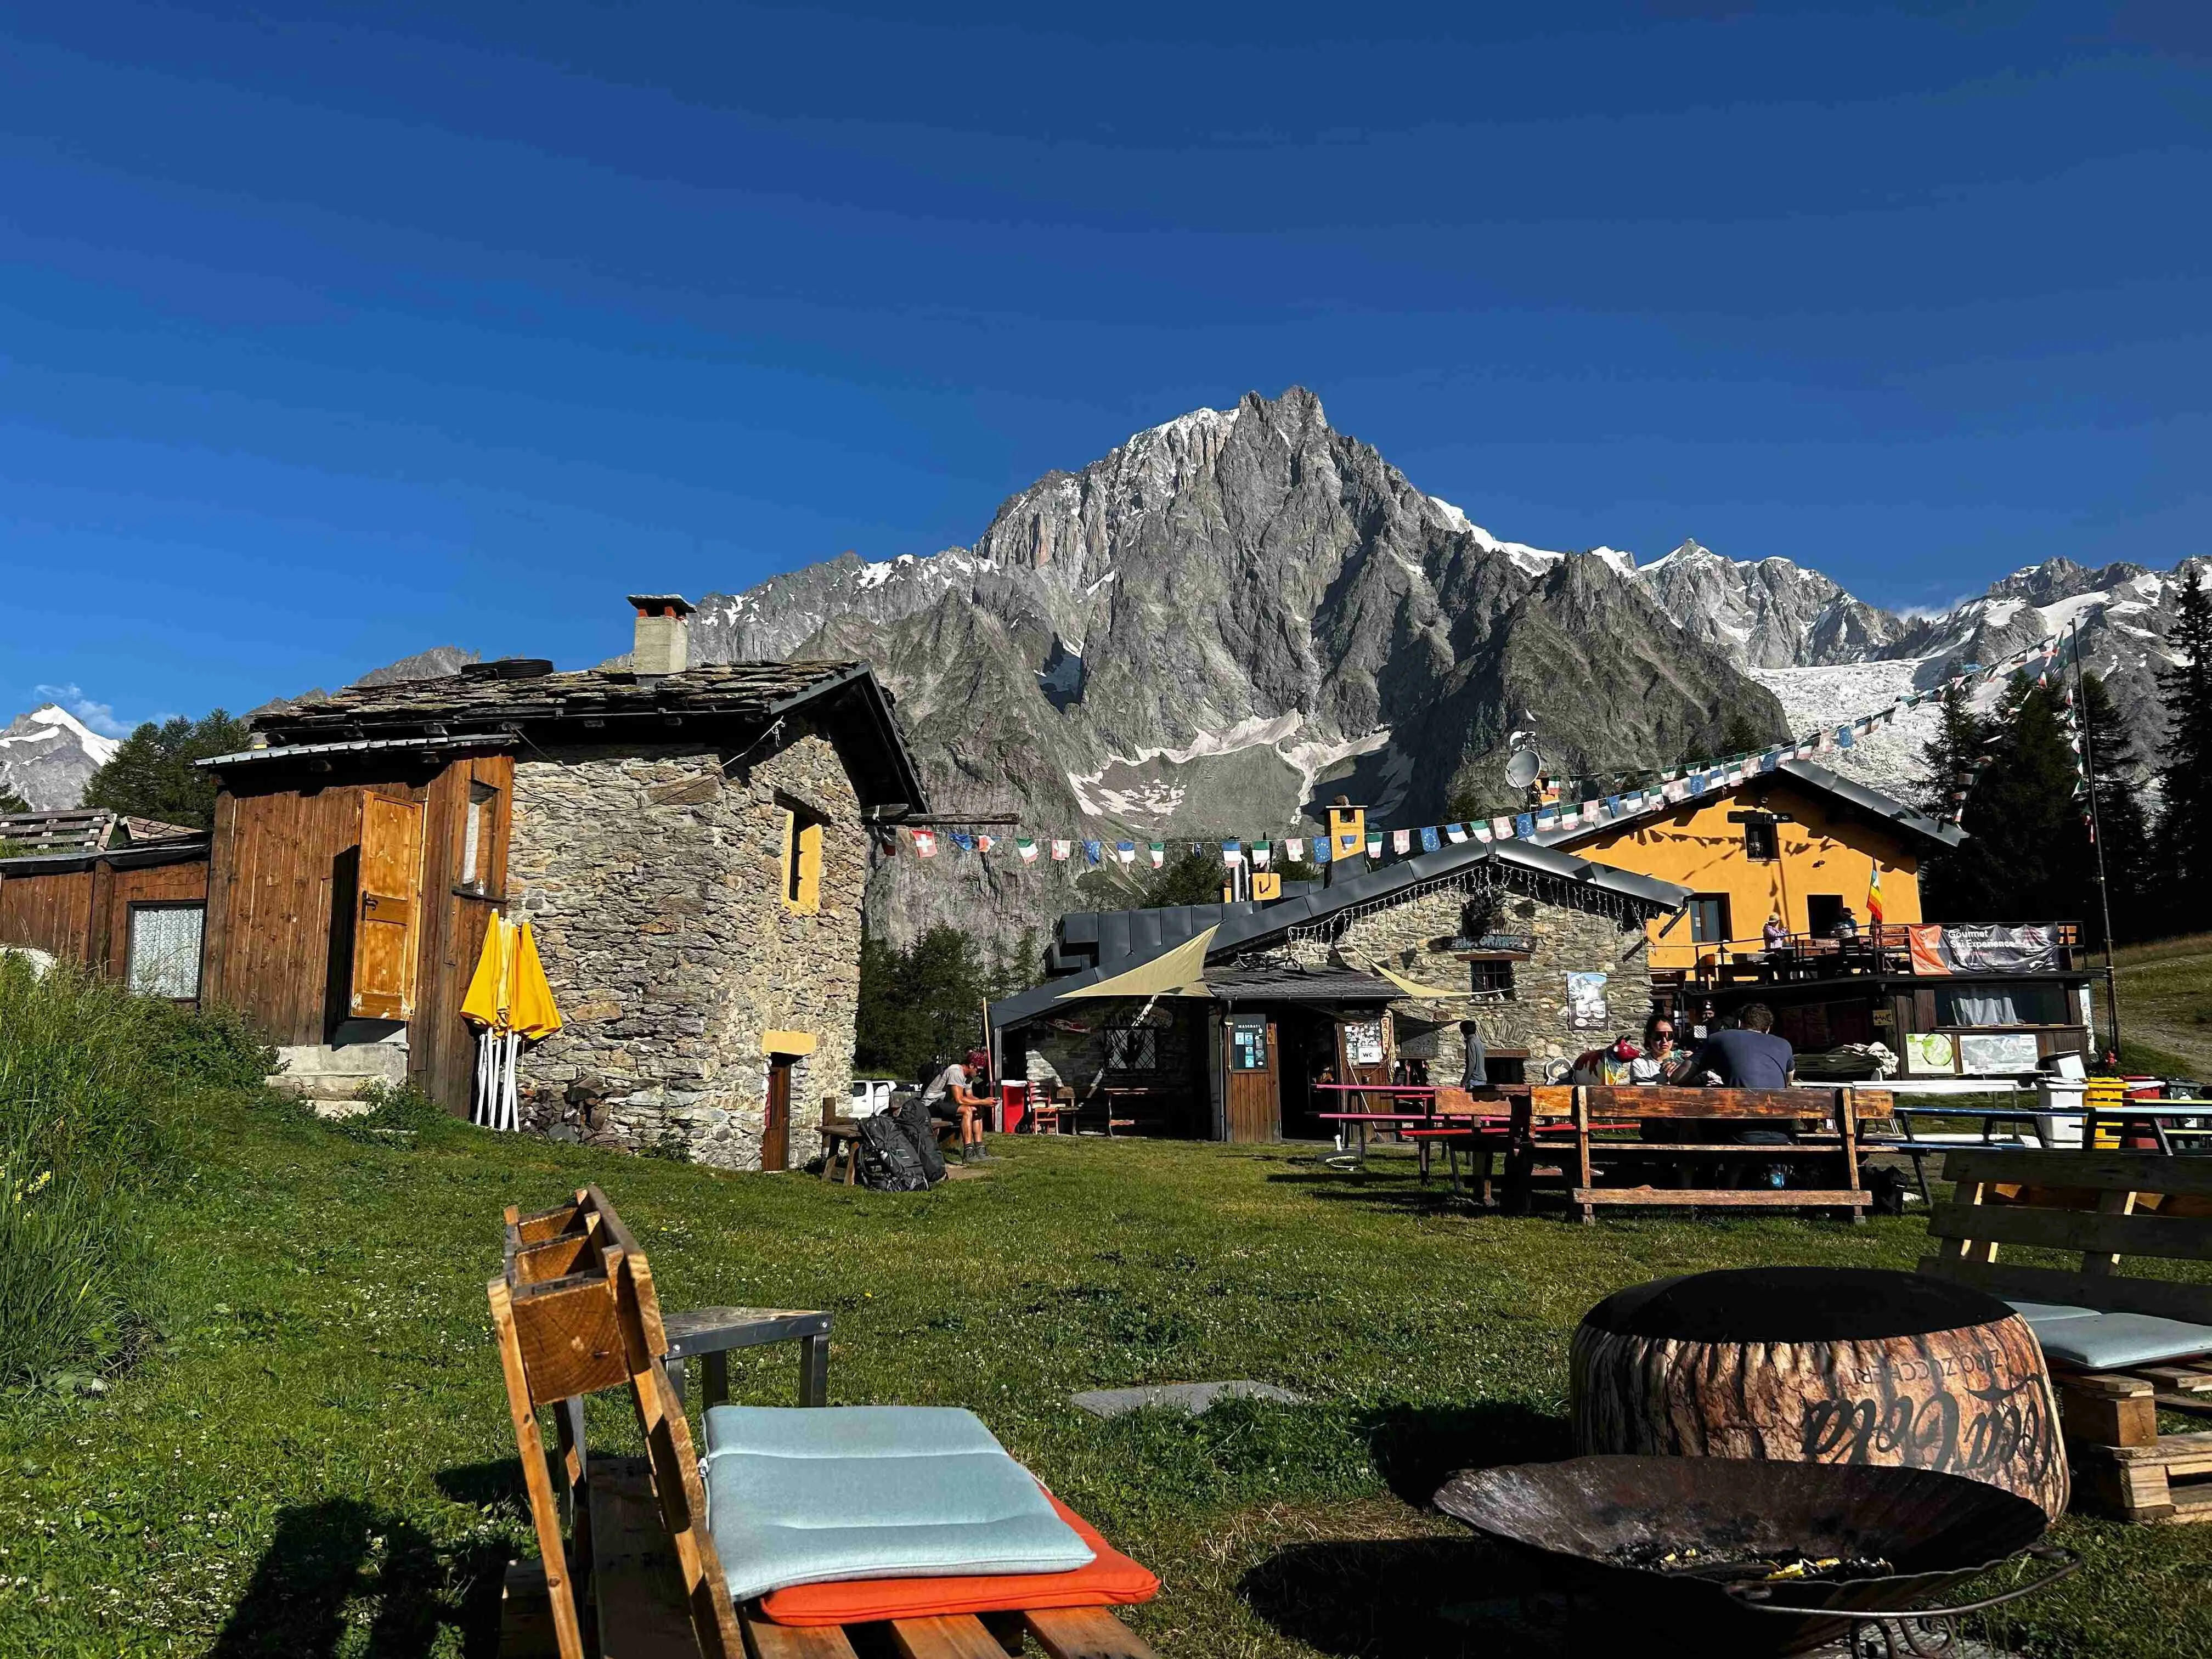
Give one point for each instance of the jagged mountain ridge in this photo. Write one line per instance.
(48, 755)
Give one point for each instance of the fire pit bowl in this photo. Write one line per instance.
(1592, 1521)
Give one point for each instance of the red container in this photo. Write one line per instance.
(1013, 1106)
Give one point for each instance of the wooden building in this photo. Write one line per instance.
(690, 844)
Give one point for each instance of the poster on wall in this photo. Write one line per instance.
(1930, 1051)
(1992, 1052)
(1362, 1041)
(1586, 1009)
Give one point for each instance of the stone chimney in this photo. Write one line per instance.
(663, 644)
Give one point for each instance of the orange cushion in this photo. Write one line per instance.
(1111, 1580)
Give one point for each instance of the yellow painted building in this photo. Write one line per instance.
(1826, 840)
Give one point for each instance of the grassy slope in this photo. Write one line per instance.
(318, 1459)
(2165, 1004)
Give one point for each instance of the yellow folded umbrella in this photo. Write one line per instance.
(531, 1009)
(491, 988)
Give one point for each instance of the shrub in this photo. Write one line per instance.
(394, 1118)
(90, 1077)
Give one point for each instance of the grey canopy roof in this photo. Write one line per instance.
(1241, 926)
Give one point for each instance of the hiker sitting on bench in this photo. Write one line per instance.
(1746, 1056)
(949, 1099)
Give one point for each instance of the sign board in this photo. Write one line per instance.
(1362, 1041)
(1989, 1053)
(1586, 1007)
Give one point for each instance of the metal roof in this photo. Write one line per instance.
(116, 858)
(1294, 985)
(1251, 924)
(1887, 808)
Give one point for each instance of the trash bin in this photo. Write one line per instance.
(1013, 1106)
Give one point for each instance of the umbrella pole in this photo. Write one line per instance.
(480, 1100)
(513, 1106)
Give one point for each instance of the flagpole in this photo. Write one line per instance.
(2097, 842)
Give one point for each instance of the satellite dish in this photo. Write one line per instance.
(1521, 769)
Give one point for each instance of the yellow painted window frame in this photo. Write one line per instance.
(802, 863)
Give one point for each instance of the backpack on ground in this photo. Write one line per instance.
(913, 1118)
(888, 1161)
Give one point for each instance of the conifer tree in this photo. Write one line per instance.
(151, 774)
(2121, 820)
(2183, 844)
(1955, 886)
(2026, 856)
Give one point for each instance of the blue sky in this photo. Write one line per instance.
(331, 332)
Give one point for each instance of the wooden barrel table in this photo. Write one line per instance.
(1821, 1366)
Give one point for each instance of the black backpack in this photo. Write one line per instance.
(888, 1161)
(920, 1132)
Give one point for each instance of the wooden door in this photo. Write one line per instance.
(388, 908)
(1254, 1093)
(775, 1133)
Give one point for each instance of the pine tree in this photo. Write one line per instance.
(2183, 842)
(12, 802)
(2120, 820)
(152, 775)
(1954, 882)
(1191, 879)
(2026, 856)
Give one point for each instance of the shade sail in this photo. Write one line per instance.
(1417, 991)
(1177, 973)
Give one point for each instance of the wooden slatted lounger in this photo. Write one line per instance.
(575, 1310)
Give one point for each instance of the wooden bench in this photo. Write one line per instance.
(840, 1144)
(2101, 1207)
(574, 1310)
(1750, 1107)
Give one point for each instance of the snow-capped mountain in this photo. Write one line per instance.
(1767, 613)
(48, 755)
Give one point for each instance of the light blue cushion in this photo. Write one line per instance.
(2041, 1313)
(811, 1494)
(2106, 1341)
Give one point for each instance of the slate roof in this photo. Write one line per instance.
(1289, 984)
(1887, 809)
(613, 705)
(1246, 926)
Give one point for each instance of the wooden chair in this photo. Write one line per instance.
(840, 1144)
(1761, 1108)
(2103, 1207)
(1046, 1112)
(653, 1583)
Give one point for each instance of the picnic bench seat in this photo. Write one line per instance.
(1749, 1108)
(2119, 1344)
(575, 1310)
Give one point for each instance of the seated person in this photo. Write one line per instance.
(950, 1099)
(1846, 927)
(1747, 1055)
(1661, 1058)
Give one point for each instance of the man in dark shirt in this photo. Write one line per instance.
(1747, 1055)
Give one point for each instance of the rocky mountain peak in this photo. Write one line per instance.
(48, 755)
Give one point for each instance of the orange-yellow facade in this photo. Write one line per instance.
(1828, 854)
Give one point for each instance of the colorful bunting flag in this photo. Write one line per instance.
(1524, 825)
(925, 842)
(1374, 843)
(1061, 849)
(1431, 839)
(963, 841)
(1126, 851)
(1294, 848)
(1026, 848)
(1232, 853)
(1482, 832)
(1322, 852)
(985, 841)
(1094, 851)
(1612, 806)
(1454, 833)
(1159, 853)
(1263, 855)
(1402, 841)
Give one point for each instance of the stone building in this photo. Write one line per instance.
(690, 844)
(1217, 1021)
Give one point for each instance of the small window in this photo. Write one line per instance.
(1248, 1046)
(475, 835)
(1762, 840)
(165, 949)
(802, 862)
(1492, 982)
(1709, 918)
(1131, 1048)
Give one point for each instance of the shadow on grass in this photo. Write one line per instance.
(1413, 1598)
(334, 1566)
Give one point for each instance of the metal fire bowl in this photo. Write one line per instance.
(1938, 1529)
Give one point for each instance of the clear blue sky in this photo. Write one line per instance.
(329, 332)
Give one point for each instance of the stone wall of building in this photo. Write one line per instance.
(1413, 939)
(654, 881)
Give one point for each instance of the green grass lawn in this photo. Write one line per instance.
(2165, 1004)
(314, 1457)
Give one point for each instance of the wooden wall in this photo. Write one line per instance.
(282, 896)
(84, 915)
